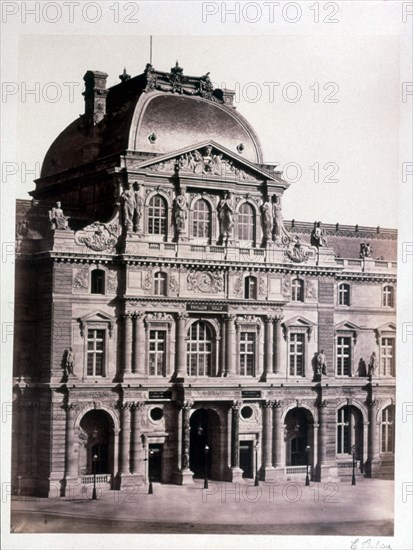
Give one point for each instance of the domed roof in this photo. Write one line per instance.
(153, 119)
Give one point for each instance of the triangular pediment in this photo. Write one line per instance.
(97, 316)
(347, 325)
(299, 321)
(208, 160)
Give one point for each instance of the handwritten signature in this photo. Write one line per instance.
(368, 544)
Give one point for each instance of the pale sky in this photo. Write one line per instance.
(330, 103)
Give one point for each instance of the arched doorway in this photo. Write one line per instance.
(96, 437)
(205, 429)
(299, 435)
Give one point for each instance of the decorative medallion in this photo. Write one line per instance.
(205, 281)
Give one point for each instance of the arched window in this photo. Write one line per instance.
(387, 430)
(388, 296)
(344, 294)
(157, 216)
(201, 219)
(343, 431)
(297, 290)
(160, 281)
(246, 222)
(98, 282)
(250, 288)
(199, 355)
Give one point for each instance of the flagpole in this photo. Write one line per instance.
(150, 49)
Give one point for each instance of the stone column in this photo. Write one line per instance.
(137, 466)
(71, 463)
(373, 461)
(138, 345)
(322, 436)
(236, 472)
(125, 440)
(268, 337)
(127, 340)
(278, 345)
(180, 369)
(230, 367)
(277, 434)
(185, 476)
(267, 471)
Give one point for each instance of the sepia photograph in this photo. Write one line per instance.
(206, 274)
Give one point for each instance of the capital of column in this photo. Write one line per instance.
(137, 405)
(236, 405)
(277, 405)
(268, 404)
(182, 316)
(322, 403)
(269, 319)
(187, 405)
(138, 315)
(278, 318)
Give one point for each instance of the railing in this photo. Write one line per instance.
(100, 478)
(296, 469)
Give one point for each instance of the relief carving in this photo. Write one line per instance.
(98, 236)
(81, 279)
(207, 161)
(205, 281)
(112, 281)
(311, 289)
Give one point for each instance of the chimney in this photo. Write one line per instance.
(95, 96)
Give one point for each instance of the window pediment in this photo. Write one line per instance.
(387, 329)
(346, 328)
(97, 318)
(299, 324)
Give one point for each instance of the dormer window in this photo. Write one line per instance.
(98, 282)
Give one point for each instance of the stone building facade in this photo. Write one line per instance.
(170, 324)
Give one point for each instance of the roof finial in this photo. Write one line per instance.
(124, 76)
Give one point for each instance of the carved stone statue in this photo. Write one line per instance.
(128, 203)
(321, 363)
(226, 216)
(267, 219)
(317, 235)
(180, 210)
(277, 219)
(372, 364)
(138, 206)
(70, 361)
(365, 250)
(57, 218)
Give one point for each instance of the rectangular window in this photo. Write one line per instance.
(95, 352)
(387, 357)
(296, 354)
(343, 356)
(157, 348)
(247, 353)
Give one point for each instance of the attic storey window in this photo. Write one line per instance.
(98, 282)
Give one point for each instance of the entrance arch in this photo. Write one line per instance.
(299, 433)
(205, 429)
(96, 436)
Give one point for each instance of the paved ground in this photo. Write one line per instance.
(321, 509)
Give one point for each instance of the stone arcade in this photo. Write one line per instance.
(163, 304)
